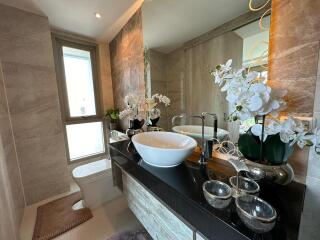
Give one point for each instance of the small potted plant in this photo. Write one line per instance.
(113, 116)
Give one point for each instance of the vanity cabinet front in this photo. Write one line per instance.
(158, 220)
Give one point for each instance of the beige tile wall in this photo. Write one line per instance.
(184, 75)
(158, 82)
(167, 76)
(30, 82)
(176, 83)
(12, 200)
(202, 94)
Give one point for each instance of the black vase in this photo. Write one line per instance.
(136, 124)
(154, 121)
(135, 127)
(275, 151)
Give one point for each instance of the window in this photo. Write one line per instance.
(79, 82)
(79, 97)
(85, 139)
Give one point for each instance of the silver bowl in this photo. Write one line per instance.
(218, 194)
(255, 213)
(245, 185)
(256, 174)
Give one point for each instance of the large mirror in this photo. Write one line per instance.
(186, 39)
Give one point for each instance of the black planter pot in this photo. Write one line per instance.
(135, 127)
(275, 151)
(154, 122)
(136, 124)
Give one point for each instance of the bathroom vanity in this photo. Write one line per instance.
(169, 202)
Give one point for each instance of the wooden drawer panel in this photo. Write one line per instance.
(159, 221)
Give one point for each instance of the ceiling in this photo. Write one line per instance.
(78, 16)
(167, 24)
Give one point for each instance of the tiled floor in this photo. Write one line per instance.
(107, 220)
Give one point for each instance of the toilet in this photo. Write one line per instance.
(95, 182)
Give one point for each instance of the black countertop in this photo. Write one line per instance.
(180, 188)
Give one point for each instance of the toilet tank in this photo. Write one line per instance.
(95, 182)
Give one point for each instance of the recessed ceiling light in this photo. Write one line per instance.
(98, 15)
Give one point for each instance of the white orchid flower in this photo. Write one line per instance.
(150, 103)
(226, 67)
(249, 94)
(125, 113)
(251, 76)
(132, 104)
(257, 130)
(272, 126)
(255, 103)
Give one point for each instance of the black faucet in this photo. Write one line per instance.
(206, 146)
(210, 142)
(215, 123)
(206, 149)
(202, 160)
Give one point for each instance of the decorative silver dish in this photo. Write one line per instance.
(242, 185)
(256, 174)
(218, 194)
(255, 213)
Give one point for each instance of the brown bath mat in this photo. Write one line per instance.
(57, 217)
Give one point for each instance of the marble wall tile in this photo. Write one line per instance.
(294, 48)
(158, 82)
(294, 64)
(127, 62)
(30, 82)
(8, 230)
(21, 80)
(185, 76)
(309, 226)
(202, 94)
(10, 176)
(294, 59)
(43, 174)
(317, 92)
(314, 164)
(25, 37)
(176, 83)
(105, 76)
(316, 115)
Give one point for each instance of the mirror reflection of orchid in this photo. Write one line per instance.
(249, 96)
(153, 113)
(132, 105)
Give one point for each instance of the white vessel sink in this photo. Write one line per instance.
(163, 149)
(196, 131)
